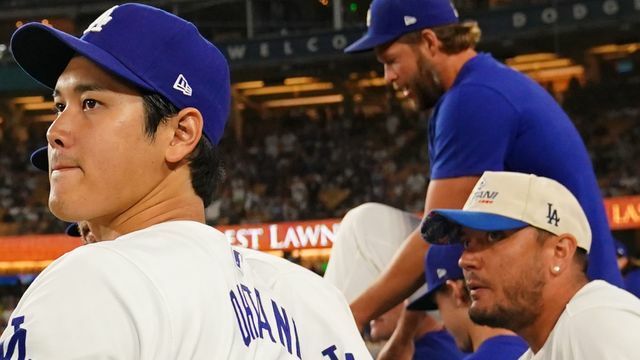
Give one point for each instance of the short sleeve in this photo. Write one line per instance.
(80, 307)
(474, 129)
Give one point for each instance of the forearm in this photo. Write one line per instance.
(401, 344)
(403, 276)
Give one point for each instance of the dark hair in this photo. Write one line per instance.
(455, 38)
(582, 258)
(204, 162)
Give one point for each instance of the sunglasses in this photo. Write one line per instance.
(436, 229)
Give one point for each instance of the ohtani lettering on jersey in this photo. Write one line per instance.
(255, 324)
(17, 342)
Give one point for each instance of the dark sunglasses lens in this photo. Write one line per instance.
(436, 229)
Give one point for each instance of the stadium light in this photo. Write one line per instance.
(283, 89)
(299, 80)
(313, 100)
(248, 85)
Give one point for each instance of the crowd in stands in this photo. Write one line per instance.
(23, 188)
(607, 116)
(318, 163)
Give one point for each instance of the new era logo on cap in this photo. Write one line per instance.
(182, 85)
(410, 20)
(441, 273)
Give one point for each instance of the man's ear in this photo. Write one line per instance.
(459, 292)
(187, 131)
(431, 41)
(564, 249)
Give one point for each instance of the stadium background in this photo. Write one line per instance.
(314, 132)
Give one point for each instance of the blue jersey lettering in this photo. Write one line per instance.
(330, 352)
(244, 330)
(282, 322)
(295, 331)
(18, 340)
(263, 324)
(245, 296)
(253, 321)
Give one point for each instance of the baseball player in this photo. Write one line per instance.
(142, 100)
(447, 293)
(486, 116)
(526, 243)
(357, 260)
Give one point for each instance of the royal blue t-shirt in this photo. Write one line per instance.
(437, 345)
(495, 118)
(501, 347)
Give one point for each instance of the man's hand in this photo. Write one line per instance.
(399, 347)
(401, 344)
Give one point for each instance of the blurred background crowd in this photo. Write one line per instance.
(314, 163)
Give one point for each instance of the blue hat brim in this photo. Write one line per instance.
(370, 41)
(44, 52)
(426, 301)
(40, 159)
(471, 219)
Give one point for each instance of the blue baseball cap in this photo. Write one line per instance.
(503, 200)
(148, 47)
(387, 20)
(440, 265)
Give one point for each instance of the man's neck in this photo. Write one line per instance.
(555, 302)
(452, 65)
(173, 199)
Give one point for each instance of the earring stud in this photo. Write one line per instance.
(556, 269)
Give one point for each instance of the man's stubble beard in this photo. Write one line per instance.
(523, 303)
(427, 86)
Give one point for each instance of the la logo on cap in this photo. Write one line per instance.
(102, 20)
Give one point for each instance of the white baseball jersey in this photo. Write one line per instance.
(178, 290)
(601, 322)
